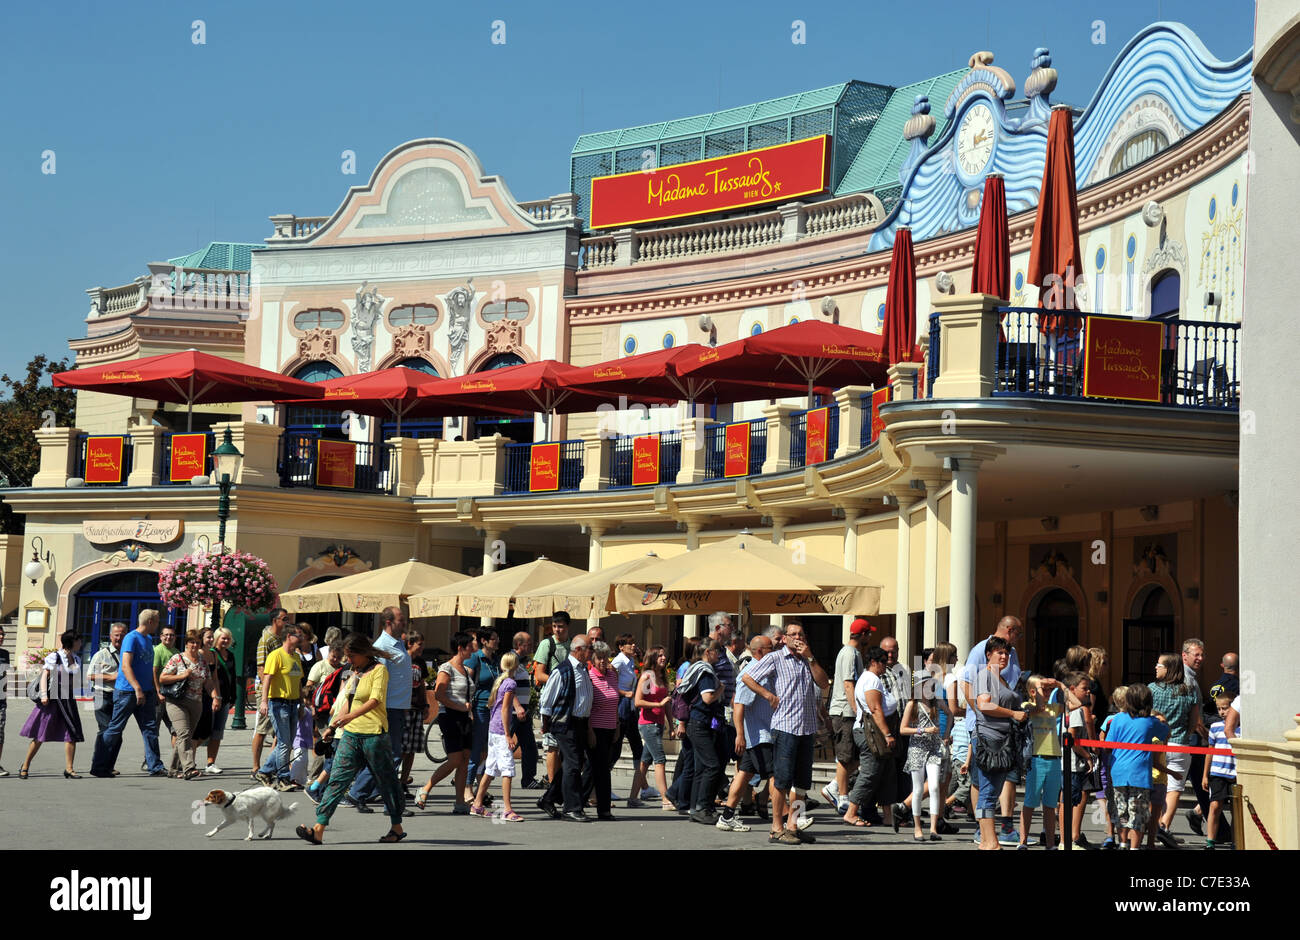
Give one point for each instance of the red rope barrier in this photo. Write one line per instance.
(1250, 807)
(1167, 748)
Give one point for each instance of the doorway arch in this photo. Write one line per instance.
(1151, 629)
(1053, 628)
(118, 597)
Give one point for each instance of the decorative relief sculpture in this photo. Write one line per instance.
(459, 303)
(411, 340)
(503, 336)
(370, 303)
(317, 343)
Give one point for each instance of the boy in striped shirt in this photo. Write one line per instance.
(1220, 771)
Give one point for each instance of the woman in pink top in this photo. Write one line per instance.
(602, 728)
(650, 694)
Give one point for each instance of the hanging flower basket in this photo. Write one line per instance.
(239, 579)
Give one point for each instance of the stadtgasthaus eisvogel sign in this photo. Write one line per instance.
(148, 531)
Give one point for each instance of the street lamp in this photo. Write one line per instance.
(225, 465)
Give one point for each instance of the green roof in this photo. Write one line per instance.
(732, 117)
(219, 256)
(881, 157)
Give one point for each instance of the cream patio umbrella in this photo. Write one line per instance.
(491, 594)
(369, 591)
(578, 596)
(744, 573)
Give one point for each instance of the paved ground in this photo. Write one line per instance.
(138, 812)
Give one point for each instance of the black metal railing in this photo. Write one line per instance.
(620, 459)
(519, 459)
(1039, 358)
(715, 448)
(103, 464)
(299, 464)
(932, 357)
(799, 434)
(165, 458)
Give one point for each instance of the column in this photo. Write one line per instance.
(930, 630)
(778, 437)
(903, 572)
(691, 622)
(596, 531)
(961, 559)
(489, 562)
(851, 516)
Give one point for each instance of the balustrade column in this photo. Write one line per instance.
(691, 622)
(595, 549)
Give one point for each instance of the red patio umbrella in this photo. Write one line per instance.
(187, 378)
(813, 352)
(1055, 250)
(899, 336)
(657, 374)
(392, 393)
(991, 273)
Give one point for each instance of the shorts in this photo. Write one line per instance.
(1176, 763)
(793, 760)
(1221, 789)
(455, 728)
(759, 761)
(652, 739)
(412, 734)
(500, 759)
(265, 726)
(550, 742)
(1132, 807)
(1043, 784)
(846, 749)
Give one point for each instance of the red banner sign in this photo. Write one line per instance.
(731, 182)
(736, 460)
(1122, 359)
(817, 425)
(103, 460)
(879, 397)
(336, 464)
(189, 457)
(544, 467)
(645, 460)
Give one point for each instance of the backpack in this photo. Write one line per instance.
(327, 693)
(534, 664)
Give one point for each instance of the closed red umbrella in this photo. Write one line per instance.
(187, 378)
(1055, 252)
(899, 337)
(813, 352)
(991, 273)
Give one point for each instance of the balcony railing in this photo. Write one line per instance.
(105, 463)
(715, 449)
(1198, 360)
(184, 465)
(621, 459)
(520, 467)
(932, 362)
(799, 434)
(300, 465)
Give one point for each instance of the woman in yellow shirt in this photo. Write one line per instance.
(362, 714)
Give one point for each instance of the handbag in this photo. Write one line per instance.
(34, 688)
(877, 743)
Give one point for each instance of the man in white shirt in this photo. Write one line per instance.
(102, 674)
(566, 713)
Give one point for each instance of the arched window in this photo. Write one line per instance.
(1147, 634)
(423, 314)
(304, 417)
(419, 365)
(500, 361)
(311, 319)
(518, 428)
(117, 598)
(505, 310)
(1139, 147)
(1165, 288)
(1055, 627)
(414, 427)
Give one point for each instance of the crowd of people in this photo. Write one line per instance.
(949, 737)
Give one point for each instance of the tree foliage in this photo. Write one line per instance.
(26, 399)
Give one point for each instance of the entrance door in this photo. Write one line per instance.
(1148, 635)
(118, 598)
(1055, 628)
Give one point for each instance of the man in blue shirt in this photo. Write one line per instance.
(133, 694)
(398, 701)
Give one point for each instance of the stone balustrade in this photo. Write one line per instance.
(290, 227)
(558, 208)
(599, 251)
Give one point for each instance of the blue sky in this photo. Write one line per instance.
(162, 145)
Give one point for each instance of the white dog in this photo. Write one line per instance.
(258, 803)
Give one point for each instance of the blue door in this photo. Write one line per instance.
(118, 598)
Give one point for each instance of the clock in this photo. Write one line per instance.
(976, 136)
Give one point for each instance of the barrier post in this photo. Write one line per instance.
(1238, 813)
(1065, 811)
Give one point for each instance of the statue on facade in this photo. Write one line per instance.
(369, 305)
(459, 303)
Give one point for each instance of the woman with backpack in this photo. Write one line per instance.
(362, 716)
(323, 686)
(454, 690)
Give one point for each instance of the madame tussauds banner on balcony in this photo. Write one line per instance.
(732, 182)
(103, 460)
(645, 460)
(189, 457)
(544, 467)
(336, 464)
(1122, 359)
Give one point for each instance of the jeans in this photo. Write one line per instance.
(708, 769)
(683, 776)
(571, 742)
(596, 776)
(284, 715)
(522, 728)
(103, 715)
(375, 753)
(652, 737)
(628, 718)
(990, 784)
(366, 786)
(478, 747)
(109, 743)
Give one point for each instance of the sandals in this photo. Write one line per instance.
(422, 799)
(193, 774)
(392, 836)
(667, 806)
(512, 817)
(22, 773)
(308, 834)
(480, 811)
(857, 823)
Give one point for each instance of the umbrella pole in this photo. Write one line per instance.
(810, 392)
(189, 407)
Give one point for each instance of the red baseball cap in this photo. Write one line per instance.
(860, 627)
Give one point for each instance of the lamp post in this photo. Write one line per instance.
(225, 465)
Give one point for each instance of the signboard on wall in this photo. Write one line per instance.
(818, 422)
(1122, 359)
(645, 460)
(544, 467)
(735, 461)
(145, 531)
(189, 457)
(336, 464)
(735, 181)
(104, 459)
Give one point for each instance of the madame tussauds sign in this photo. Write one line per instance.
(753, 177)
(148, 531)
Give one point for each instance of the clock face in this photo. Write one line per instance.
(975, 141)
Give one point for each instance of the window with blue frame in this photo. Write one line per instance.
(519, 428)
(118, 598)
(306, 419)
